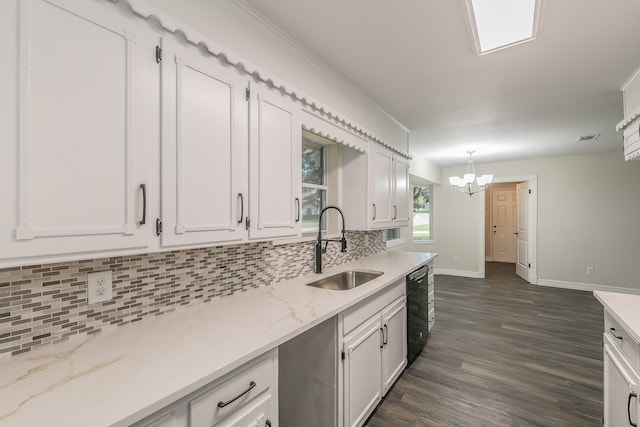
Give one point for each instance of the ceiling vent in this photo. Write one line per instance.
(587, 138)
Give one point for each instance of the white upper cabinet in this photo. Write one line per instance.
(204, 148)
(401, 205)
(375, 188)
(274, 165)
(381, 185)
(630, 124)
(79, 118)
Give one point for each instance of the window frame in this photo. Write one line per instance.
(325, 179)
(430, 240)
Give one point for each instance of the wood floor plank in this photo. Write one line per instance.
(503, 353)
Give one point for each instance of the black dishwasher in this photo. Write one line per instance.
(417, 312)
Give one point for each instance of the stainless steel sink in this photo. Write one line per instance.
(346, 280)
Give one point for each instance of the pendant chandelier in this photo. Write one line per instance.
(469, 183)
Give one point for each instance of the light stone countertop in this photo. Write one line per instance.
(625, 308)
(121, 375)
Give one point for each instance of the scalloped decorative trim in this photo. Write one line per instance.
(633, 156)
(145, 10)
(627, 120)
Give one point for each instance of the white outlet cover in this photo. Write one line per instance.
(100, 287)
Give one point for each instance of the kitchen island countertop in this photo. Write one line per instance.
(625, 308)
(121, 375)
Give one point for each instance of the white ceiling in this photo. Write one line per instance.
(417, 61)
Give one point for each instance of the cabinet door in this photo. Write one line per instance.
(394, 352)
(176, 417)
(274, 166)
(74, 162)
(381, 186)
(620, 389)
(362, 373)
(204, 148)
(401, 209)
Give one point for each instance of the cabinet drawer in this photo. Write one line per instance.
(632, 140)
(360, 313)
(630, 348)
(204, 410)
(255, 414)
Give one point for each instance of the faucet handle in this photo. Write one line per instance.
(343, 243)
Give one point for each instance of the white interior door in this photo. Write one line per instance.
(504, 213)
(522, 230)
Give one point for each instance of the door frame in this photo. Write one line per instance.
(533, 224)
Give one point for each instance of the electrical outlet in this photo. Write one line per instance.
(100, 288)
(589, 271)
(456, 258)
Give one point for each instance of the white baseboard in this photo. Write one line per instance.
(586, 286)
(460, 273)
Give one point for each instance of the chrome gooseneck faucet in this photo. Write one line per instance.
(319, 249)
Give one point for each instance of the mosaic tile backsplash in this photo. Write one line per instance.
(45, 304)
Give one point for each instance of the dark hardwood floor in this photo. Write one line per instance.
(503, 353)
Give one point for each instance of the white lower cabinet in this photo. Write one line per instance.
(621, 376)
(246, 397)
(394, 350)
(362, 372)
(374, 351)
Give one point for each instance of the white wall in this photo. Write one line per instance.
(588, 210)
(424, 171)
(231, 27)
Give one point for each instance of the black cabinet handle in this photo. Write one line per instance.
(267, 423)
(631, 395)
(395, 212)
(374, 212)
(385, 335)
(613, 332)
(382, 335)
(222, 404)
(297, 209)
(143, 187)
(241, 197)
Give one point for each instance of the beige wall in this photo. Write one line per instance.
(588, 208)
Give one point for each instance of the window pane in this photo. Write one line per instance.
(313, 200)
(393, 233)
(421, 212)
(312, 164)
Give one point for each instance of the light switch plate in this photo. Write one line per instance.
(100, 287)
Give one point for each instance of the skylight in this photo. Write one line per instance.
(497, 24)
